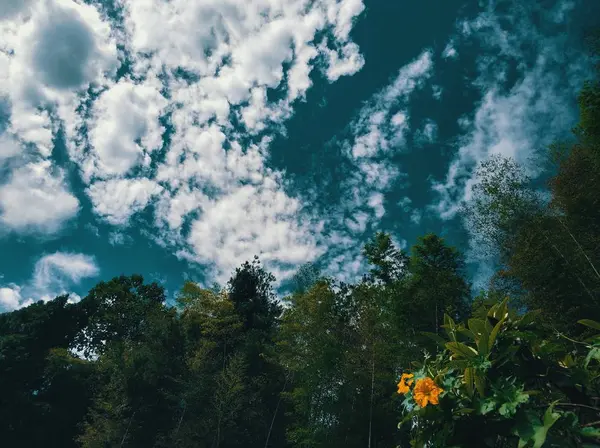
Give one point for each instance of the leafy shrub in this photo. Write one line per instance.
(504, 380)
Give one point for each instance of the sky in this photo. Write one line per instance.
(177, 139)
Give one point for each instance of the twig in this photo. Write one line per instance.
(127, 430)
(577, 405)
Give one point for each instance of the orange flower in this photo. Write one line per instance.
(426, 392)
(405, 383)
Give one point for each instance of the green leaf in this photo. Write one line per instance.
(589, 432)
(541, 432)
(590, 323)
(467, 333)
(494, 334)
(469, 380)
(509, 408)
(435, 337)
(594, 353)
(529, 318)
(460, 349)
(449, 321)
(479, 383)
(478, 327)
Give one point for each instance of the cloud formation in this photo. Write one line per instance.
(521, 119)
(53, 275)
(36, 199)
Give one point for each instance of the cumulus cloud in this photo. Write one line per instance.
(450, 51)
(36, 199)
(124, 127)
(11, 8)
(53, 275)
(51, 50)
(200, 72)
(209, 66)
(11, 299)
(117, 199)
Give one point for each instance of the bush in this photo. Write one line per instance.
(503, 380)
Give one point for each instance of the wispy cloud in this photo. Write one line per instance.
(529, 77)
(53, 275)
(378, 133)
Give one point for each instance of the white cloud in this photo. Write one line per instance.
(416, 216)
(124, 115)
(59, 269)
(9, 147)
(519, 121)
(450, 51)
(119, 238)
(378, 133)
(380, 125)
(61, 47)
(11, 299)
(515, 120)
(208, 66)
(50, 53)
(11, 8)
(36, 199)
(53, 275)
(51, 50)
(116, 200)
(253, 220)
(405, 203)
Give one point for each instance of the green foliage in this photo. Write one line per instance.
(514, 381)
(389, 263)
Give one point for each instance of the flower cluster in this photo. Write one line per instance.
(424, 392)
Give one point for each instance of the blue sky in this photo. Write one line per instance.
(178, 139)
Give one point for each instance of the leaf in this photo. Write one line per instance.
(467, 333)
(478, 327)
(479, 383)
(435, 337)
(508, 409)
(494, 334)
(500, 310)
(590, 323)
(469, 380)
(529, 318)
(464, 411)
(449, 321)
(589, 432)
(541, 432)
(594, 353)
(460, 349)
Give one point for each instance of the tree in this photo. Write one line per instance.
(117, 311)
(389, 263)
(139, 346)
(436, 284)
(42, 384)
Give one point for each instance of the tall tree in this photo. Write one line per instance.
(139, 348)
(436, 285)
(42, 385)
